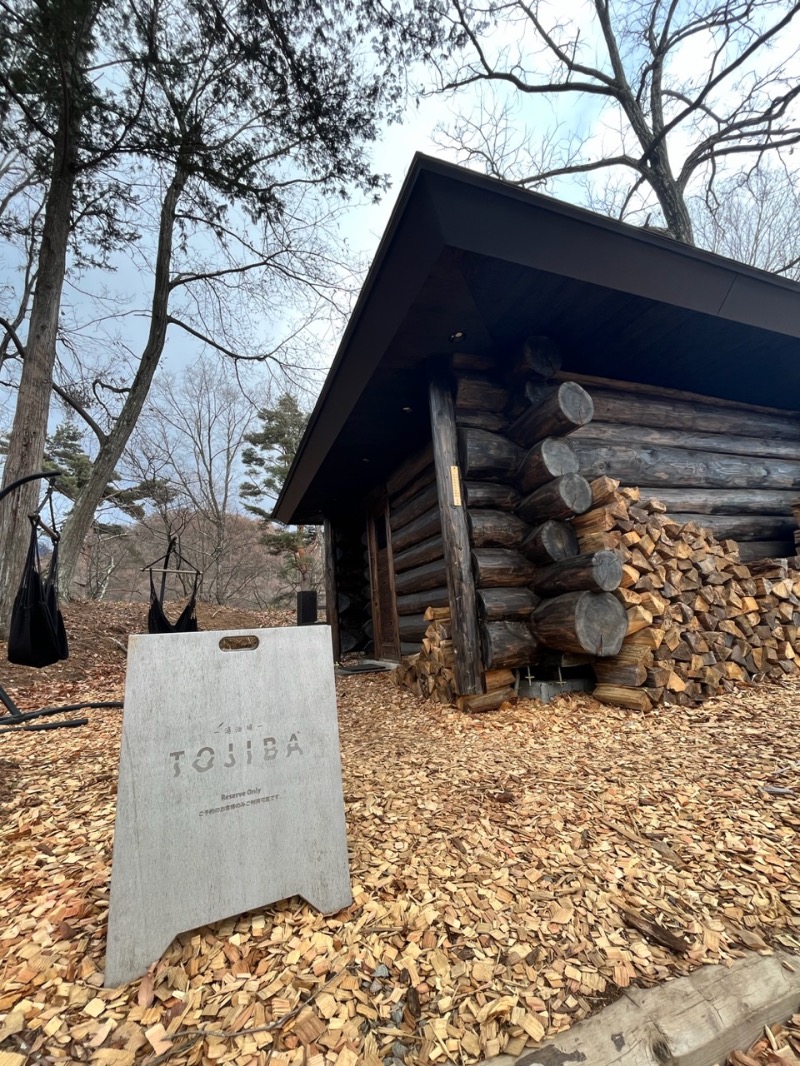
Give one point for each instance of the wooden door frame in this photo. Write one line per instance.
(331, 587)
(377, 506)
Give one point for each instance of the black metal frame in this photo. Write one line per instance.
(180, 562)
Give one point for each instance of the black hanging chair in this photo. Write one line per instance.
(36, 634)
(157, 621)
(36, 630)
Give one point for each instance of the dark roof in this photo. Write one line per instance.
(463, 252)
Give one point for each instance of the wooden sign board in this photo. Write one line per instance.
(230, 788)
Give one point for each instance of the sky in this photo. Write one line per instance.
(362, 224)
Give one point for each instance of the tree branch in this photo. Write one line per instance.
(80, 410)
(57, 389)
(611, 84)
(713, 82)
(210, 275)
(267, 356)
(12, 333)
(581, 168)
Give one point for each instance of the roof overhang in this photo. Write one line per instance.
(470, 254)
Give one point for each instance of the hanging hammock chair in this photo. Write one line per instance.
(157, 621)
(36, 634)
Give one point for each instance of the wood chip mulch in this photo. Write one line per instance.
(511, 872)
(779, 1046)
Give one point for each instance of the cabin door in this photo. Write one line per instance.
(381, 565)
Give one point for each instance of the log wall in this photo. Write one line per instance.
(732, 469)
(535, 591)
(417, 550)
(538, 450)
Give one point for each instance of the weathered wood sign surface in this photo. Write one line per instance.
(230, 791)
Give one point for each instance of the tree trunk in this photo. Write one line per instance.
(496, 529)
(539, 358)
(429, 576)
(675, 467)
(489, 494)
(558, 412)
(423, 552)
(560, 499)
(500, 568)
(550, 458)
(506, 604)
(626, 433)
(414, 602)
(80, 521)
(421, 529)
(487, 456)
(29, 430)
(631, 407)
(670, 196)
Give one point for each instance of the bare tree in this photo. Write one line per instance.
(104, 555)
(193, 428)
(754, 217)
(665, 96)
(226, 112)
(57, 117)
(21, 207)
(255, 582)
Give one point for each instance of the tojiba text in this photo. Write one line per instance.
(249, 752)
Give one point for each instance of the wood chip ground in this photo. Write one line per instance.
(512, 872)
(778, 1046)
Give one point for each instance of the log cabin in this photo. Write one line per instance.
(507, 354)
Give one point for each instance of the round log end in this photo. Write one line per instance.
(583, 622)
(550, 542)
(540, 355)
(607, 570)
(576, 402)
(600, 623)
(559, 456)
(576, 492)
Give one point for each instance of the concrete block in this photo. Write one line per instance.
(230, 789)
(545, 691)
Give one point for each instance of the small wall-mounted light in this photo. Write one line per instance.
(457, 336)
(407, 410)
(365, 460)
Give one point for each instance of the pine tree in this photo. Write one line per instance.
(267, 462)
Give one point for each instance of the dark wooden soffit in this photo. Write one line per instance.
(469, 253)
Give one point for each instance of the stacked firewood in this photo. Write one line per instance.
(699, 620)
(429, 672)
